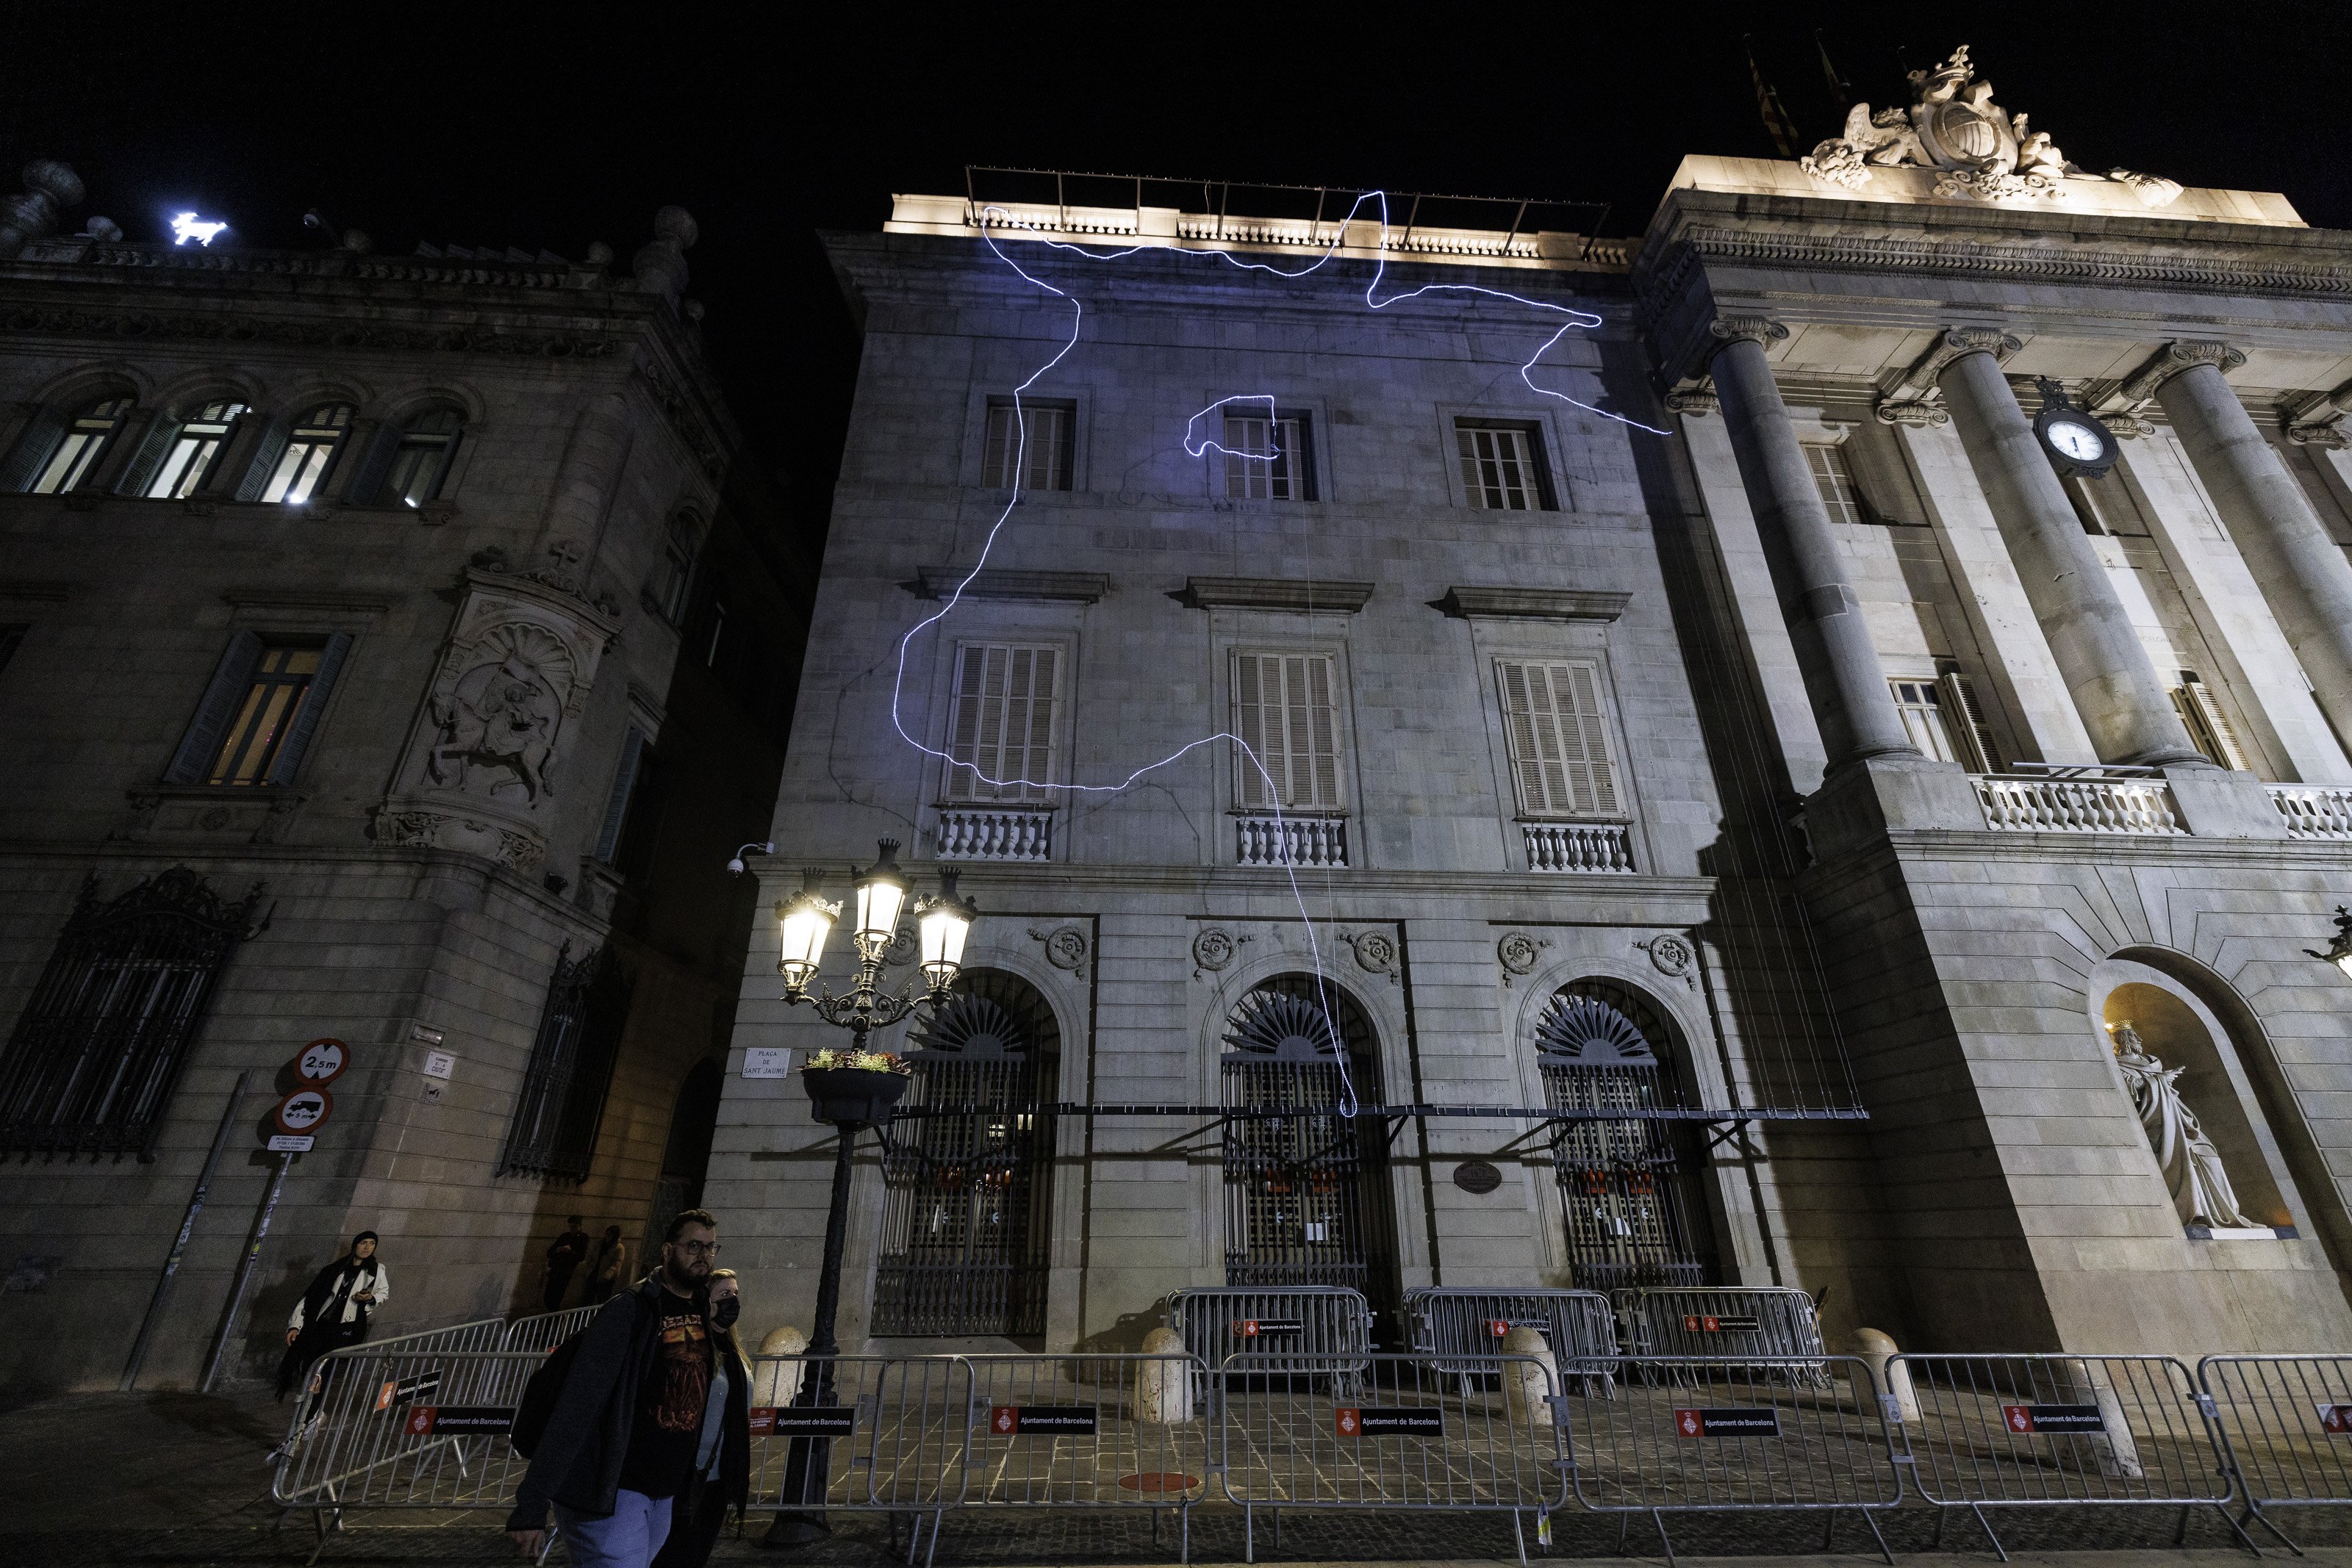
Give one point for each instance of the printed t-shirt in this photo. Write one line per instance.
(669, 1419)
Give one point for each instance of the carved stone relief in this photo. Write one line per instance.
(1065, 946)
(1671, 954)
(1376, 952)
(1517, 952)
(1213, 948)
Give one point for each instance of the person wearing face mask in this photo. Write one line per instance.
(722, 1468)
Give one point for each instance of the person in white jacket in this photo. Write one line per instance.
(334, 1312)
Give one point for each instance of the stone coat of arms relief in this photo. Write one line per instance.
(486, 762)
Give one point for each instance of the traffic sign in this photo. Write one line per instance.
(323, 1061)
(304, 1110)
(291, 1143)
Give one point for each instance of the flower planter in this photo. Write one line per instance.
(851, 1095)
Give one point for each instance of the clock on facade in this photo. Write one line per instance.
(2077, 443)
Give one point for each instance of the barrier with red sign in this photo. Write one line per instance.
(1696, 1434)
(1997, 1432)
(1725, 1322)
(1326, 1326)
(1459, 1325)
(2284, 1426)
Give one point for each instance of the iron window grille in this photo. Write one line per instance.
(562, 1103)
(1045, 460)
(967, 1221)
(2209, 722)
(420, 466)
(1503, 467)
(94, 1057)
(85, 440)
(1621, 1183)
(1307, 1196)
(195, 450)
(311, 453)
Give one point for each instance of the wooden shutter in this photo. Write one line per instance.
(268, 446)
(1002, 725)
(1286, 709)
(1558, 738)
(232, 678)
(374, 443)
(282, 768)
(34, 446)
(616, 806)
(154, 441)
(2201, 709)
(1972, 734)
(1000, 441)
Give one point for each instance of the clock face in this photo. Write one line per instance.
(2077, 440)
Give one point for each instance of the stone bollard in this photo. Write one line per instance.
(1529, 1383)
(778, 1382)
(1163, 1389)
(1877, 1351)
(2085, 1383)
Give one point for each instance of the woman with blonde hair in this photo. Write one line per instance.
(722, 1462)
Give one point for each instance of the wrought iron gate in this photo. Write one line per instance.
(1620, 1182)
(1307, 1198)
(968, 1212)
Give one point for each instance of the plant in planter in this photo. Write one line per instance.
(855, 1087)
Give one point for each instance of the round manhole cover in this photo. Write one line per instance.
(1477, 1176)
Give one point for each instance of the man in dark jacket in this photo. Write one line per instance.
(622, 1438)
(562, 1259)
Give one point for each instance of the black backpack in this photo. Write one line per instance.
(540, 1394)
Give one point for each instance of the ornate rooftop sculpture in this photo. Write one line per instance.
(1978, 149)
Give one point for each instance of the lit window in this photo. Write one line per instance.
(311, 451)
(1833, 478)
(1502, 467)
(86, 439)
(1041, 459)
(1278, 467)
(422, 462)
(280, 684)
(193, 452)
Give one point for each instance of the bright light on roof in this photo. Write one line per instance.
(186, 226)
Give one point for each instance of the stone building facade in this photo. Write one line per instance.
(392, 654)
(1785, 731)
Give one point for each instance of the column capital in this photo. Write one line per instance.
(2180, 354)
(1761, 329)
(1913, 399)
(2316, 419)
(1695, 401)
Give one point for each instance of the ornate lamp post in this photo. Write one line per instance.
(853, 1091)
(2339, 948)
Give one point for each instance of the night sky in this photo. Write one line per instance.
(554, 126)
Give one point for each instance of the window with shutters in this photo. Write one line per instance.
(259, 711)
(195, 449)
(1286, 710)
(1921, 705)
(1000, 723)
(420, 465)
(85, 440)
(1268, 459)
(2209, 724)
(1029, 447)
(311, 451)
(1833, 478)
(1503, 467)
(1561, 760)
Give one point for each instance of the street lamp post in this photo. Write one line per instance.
(2339, 949)
(803, 921)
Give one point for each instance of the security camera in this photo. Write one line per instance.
(735, 866)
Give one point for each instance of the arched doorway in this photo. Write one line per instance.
(1307, 1196)
(686, 1157)
(1630, 1213)
(967, 1237)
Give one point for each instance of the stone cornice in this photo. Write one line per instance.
(1273, 593)
(1075, 587)
(1532, 603)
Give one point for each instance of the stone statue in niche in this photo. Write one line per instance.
(1978, 149)
(2192, 1165)
(495, 727)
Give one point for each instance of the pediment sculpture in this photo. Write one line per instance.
(2192, 1169)
(1978, 149)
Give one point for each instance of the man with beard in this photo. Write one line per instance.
(622, 1437)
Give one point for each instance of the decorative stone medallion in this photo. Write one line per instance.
(1213, 948)
(1518, 953)
(1671, 954)
(1065, 946)
(1376, 951)
(1478, 1176)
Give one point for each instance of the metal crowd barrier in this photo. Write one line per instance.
(1693, 1434)
(545, 1331)
(1726, 1322)
(1455, 1324)
(1410, 1436)
(2284, 1426)
(480, 1333)
(1999, 1431)
(401, 1428)
(1326, 1326)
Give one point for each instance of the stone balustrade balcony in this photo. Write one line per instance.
(1263, 839)
(1580, 848)
(995, 832)
(2078, 805)
(2314, 810)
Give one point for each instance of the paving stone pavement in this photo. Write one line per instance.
(176, 1480)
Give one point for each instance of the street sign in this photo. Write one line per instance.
(323, 1061)
(304, 1110)
(767, 1061)
(440, 1064)
(291, 1143)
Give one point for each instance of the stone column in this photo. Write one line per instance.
(2125, 707)
(2302, 575)
(1843, 681)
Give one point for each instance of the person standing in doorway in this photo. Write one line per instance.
(722, 1461)
(610, 1271)
(562, 1259)
(625, 1430)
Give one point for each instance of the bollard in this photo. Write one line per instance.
(778, 1382)
(1874, 1348)
(1528, 1384)
(1163, 1389)
(2085, 1381)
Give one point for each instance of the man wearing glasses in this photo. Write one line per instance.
(620, 1441)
